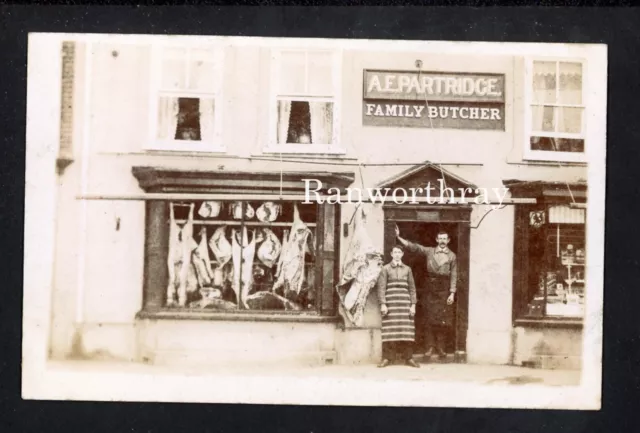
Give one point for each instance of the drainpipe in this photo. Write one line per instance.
(77, 348)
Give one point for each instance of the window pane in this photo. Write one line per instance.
(552, 144)
(292, 73)
(236, 264)
(543, 118)
(321, 74)
(544, 82)
(168, 108)
(302, 122)
(570, 120)
(566, 297)
(191, 119)
(174, 68)
(570, 83)
(202, 71)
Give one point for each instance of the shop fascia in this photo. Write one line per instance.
(482, 196)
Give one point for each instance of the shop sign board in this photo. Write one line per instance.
(433, 99)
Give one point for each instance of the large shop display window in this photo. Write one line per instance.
(556, 102)
(231, 246)
(550, 251)
(305, 101)
(242, 255)
(186, 89)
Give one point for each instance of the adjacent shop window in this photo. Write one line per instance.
(556, 117)
(185, 110)
(243, 255)
(556, 260)
(305, 107)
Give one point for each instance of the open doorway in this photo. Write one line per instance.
(425, 234)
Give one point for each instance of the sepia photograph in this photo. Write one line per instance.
(223, 219)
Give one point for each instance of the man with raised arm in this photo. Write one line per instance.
(439, 295)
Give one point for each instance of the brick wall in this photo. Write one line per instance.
(66, 102)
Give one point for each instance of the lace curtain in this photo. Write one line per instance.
(284, 115)
(168, 118)
(207, 119)
(549, 91)
(321, 122)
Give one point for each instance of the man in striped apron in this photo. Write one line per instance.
(397, 297)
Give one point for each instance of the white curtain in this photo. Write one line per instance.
(284, 114)
(543, 118)
(207, 119)
(544, 82)
(168, 118)
(321, 122)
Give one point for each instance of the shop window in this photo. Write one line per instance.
(556, 116)
(555, 255)
(185, 110)
(305, 103)
(242, 255)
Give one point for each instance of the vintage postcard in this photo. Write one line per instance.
(314, 221)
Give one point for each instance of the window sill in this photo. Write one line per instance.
(309, 151)
(236, 316)
(547, 163)
(549, 322)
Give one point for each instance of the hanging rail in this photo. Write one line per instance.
(276, 197)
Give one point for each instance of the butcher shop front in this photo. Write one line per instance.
(266, 290)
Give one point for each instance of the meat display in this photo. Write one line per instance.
(291, 270)
(360, 272)
(270, 248)
(182, 275)
(201, 261)
(243, 253)
(220, 246)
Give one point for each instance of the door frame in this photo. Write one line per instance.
(460, 214)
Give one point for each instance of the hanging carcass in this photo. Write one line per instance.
(362, 266)
(291, 267)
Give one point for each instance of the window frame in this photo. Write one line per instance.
(250, 186)
(547, 155)
(156, 91)
(522, 272)
(272, 145)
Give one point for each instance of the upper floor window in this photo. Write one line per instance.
(186, 86)
(556, 117)
(305, 101)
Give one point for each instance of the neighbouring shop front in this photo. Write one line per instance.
(549, 280)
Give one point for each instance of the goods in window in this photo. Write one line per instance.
(291, 272)
(220, 246)
(236, 211)
(269, 249)
(210, 209)
(568, 255)
(243, 252)
(182, 275)
(268, 212)
(580, 256)
(201, 260)
(270, 301)
(359, 273)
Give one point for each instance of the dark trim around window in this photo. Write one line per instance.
(165, 180)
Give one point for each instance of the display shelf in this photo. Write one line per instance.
(239, 223)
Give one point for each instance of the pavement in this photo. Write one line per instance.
(435, 372)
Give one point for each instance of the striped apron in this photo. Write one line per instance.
(397, 325)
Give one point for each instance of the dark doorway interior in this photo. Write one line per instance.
(425, 234)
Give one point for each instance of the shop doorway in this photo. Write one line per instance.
(425, 234)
